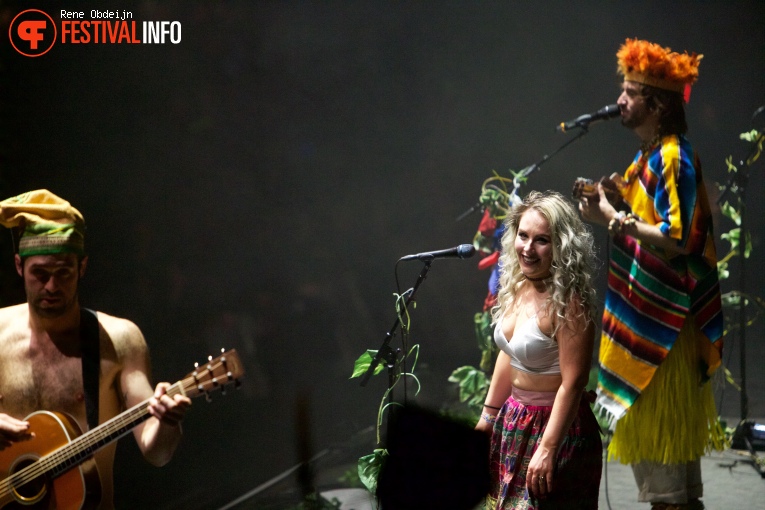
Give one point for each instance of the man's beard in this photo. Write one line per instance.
(53, 312)
(634, 119)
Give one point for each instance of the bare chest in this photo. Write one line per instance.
(35, 379)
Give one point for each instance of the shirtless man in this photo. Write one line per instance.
(40, 351)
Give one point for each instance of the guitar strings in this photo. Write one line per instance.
(107, 430)
(75, 449)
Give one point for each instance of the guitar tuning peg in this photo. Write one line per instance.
(209, 358)
(222, 350)
(208, 398)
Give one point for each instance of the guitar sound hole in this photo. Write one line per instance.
(32, 490)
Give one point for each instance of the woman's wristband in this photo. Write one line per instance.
(489, 418)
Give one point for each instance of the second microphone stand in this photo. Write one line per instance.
(738, 182)
(536, 166)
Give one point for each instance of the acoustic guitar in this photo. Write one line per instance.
(612, 186)
(46, 472)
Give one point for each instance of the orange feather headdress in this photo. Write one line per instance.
(650, 64)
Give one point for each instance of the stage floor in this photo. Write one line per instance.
(730, 482)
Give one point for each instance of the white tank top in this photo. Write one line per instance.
(530, 350)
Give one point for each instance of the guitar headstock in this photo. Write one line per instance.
(588, 188)
(582, 185)
(216, 374)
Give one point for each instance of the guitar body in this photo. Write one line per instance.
(55, 469)
(77, 488)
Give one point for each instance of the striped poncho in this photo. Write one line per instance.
(650, 293)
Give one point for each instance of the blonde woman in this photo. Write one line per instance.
(546, 450)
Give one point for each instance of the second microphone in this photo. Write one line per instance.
(462, 251)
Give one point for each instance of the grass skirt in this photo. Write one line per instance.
(674, 420)
(517, 432)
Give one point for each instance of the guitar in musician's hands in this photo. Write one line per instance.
(612, 186)
(44, 471)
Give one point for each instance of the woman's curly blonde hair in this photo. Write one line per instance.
(573, 265)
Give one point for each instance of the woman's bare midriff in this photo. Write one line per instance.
(536, 382)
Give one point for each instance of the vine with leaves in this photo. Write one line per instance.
(740, 245)
(498, 195)
(369, 466)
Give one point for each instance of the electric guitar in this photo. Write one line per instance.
(46, 472)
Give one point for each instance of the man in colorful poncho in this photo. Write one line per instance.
(662, 324)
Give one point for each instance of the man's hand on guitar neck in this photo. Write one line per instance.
(12, 431)
(169, 410)
(596, 208)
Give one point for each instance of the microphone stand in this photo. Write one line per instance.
(532, 168)
(739, 181)
(386, 352)
(536, 166)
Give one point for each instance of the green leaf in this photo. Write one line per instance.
(460, 373)
(518, 176)
(731, 300)
(750, 136)
(722, 270)
(483, 243)
(361, 365)
(369, 468)
(732, 237)
(731, 212)
(472, 383)
(731, 166)
(731, 381)
(748, 245)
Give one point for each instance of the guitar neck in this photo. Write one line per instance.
(215, 375)
(87, 444)
(82, 447)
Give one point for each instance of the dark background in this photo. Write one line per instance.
(253, 186)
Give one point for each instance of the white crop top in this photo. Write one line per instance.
(530, 350)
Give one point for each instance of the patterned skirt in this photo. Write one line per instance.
(518, 430)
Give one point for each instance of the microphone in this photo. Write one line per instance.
(604, 113)
(462, 251)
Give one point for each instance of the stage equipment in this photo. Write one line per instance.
(744, 437)
(749, 435)
(433, 463)
(604, 113)
(583, 121)
(386, 352)
(462, 251)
